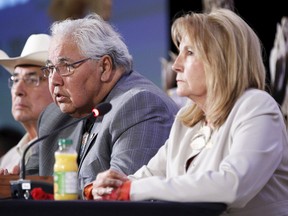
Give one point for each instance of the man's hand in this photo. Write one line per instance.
(4, 171)
(108, 186)
(15, 171)
(120, 193)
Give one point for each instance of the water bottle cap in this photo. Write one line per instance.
(65, 142)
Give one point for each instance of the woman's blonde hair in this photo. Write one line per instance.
(232, 56)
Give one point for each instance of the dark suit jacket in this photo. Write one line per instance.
(124, 139)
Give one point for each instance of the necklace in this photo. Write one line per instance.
(201, 139)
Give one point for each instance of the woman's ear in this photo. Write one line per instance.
(106, 68)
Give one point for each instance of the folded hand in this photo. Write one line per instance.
(109, 185)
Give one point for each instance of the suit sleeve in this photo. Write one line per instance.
(139, 129)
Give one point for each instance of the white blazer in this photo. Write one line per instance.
(244, 166)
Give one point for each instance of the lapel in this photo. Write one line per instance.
(91, 140)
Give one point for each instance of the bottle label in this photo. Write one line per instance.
(65, 183)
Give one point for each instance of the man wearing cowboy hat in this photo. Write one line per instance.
(29, 93)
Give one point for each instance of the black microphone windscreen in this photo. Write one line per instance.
(102, 109)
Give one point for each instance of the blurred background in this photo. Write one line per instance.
(144, 25)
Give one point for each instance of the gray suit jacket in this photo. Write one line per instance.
(124, 139)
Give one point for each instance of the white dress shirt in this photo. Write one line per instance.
(14, 155)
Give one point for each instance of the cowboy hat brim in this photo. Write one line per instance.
(35, 52)
(36, 59)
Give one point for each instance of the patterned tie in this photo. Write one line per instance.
(86, 132)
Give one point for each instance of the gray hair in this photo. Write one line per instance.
(95, 38)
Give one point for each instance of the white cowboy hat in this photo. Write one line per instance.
(35, 52)
(3, 55)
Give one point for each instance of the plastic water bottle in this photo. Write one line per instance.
(65, 171)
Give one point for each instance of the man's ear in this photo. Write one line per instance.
(106, 68)
(101, 69)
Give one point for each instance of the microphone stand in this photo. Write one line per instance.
(21, 188)
(22, 172)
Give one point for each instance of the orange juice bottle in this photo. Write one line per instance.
(65, 171)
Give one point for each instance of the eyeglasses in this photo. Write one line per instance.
(66, 68)
(29, 80)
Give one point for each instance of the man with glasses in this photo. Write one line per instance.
(90, 64)
(29, 92)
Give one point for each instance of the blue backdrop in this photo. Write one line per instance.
(144, 26)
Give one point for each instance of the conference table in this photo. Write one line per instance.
(28, 207)
(108, 208)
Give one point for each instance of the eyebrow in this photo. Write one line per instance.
(63, 59)
(59, 60)
(31, 73)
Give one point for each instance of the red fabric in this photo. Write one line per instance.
(125, 191)
(88, 192)
(40, 194)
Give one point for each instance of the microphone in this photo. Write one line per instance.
(99, 110)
